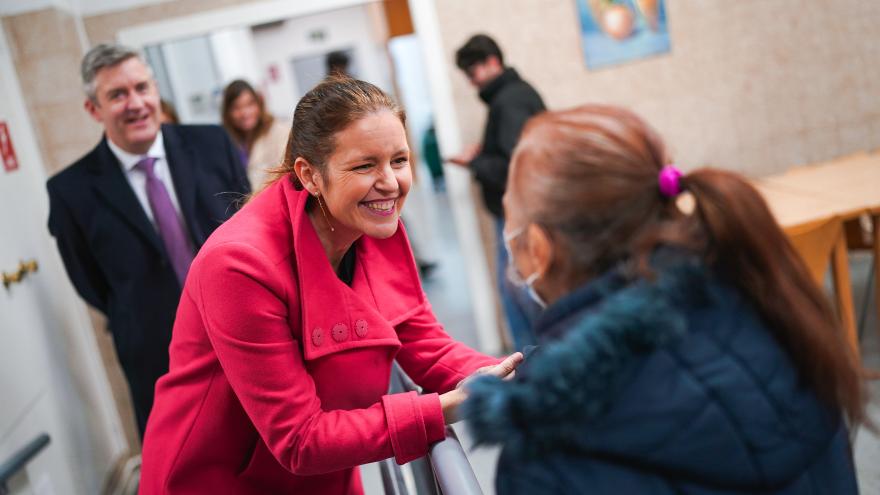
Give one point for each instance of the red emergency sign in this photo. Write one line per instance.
(10, 162)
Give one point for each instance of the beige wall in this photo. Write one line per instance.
(749, 85)
(46, 52)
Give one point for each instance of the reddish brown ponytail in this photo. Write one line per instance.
(744, 243)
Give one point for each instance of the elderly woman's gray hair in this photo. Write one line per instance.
(99, 57)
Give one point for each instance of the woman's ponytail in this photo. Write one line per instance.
(746, 246)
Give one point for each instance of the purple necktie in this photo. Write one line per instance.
(171, 229)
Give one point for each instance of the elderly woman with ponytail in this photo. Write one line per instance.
(682, 353)
(291, 316)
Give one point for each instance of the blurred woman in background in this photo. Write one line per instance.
(167, 112)
(682, 352)
(260, 137)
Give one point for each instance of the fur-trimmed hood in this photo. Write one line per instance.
(674, 375)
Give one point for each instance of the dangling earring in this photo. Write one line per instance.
(324, 212)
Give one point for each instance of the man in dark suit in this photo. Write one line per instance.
(130, 215)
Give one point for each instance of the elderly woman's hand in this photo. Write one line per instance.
(451, 400)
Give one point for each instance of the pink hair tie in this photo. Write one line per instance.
(670, 181)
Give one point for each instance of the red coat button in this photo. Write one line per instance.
(340, 332)
(360, 328)
(317, 336)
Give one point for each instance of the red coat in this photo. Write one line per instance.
(279, 370)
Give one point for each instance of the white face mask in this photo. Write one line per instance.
(513, 275)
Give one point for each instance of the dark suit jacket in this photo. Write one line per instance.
(114, 255)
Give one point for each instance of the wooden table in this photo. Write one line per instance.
(845, 188)
(852, 183)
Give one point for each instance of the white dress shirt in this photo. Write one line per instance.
(137, 179)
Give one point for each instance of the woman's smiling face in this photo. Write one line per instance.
(368, 175)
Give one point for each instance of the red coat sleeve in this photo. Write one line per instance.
(429, 355)
(244, 308)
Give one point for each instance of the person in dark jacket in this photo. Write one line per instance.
(680, 352)
(512, 101)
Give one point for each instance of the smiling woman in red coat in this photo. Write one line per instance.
(292, 314)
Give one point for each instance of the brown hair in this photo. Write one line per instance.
(589, 177)
(327, 109)
(231, 93)
(169, 111)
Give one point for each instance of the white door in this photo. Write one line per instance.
(51, 378)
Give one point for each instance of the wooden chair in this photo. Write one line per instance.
(820, 243)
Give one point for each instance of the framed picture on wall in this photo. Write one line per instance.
(618, 31)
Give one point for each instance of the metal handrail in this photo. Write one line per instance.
(450, 472)
(392, 478)
(452, 469)
(20, 458)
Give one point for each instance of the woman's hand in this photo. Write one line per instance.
(450, 401)
(505, 369)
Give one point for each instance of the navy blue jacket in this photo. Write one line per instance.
(668, 387)
(115, 257)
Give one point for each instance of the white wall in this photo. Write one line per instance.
(235, 55)
(15, 7)
(458, 180)
(412, 82)
(412, 86)
(207, 21)
(194, 79)
(96, 7)
(84, 7)
(48, 346)
(343, 28)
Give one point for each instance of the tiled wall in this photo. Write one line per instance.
(46, 53)
(750, 85)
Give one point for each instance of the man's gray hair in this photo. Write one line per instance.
(99, 57)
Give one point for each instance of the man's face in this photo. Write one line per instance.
(482, 73)
(127, 104)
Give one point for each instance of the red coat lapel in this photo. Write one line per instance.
(385, 291)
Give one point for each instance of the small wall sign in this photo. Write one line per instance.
(10, 162)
